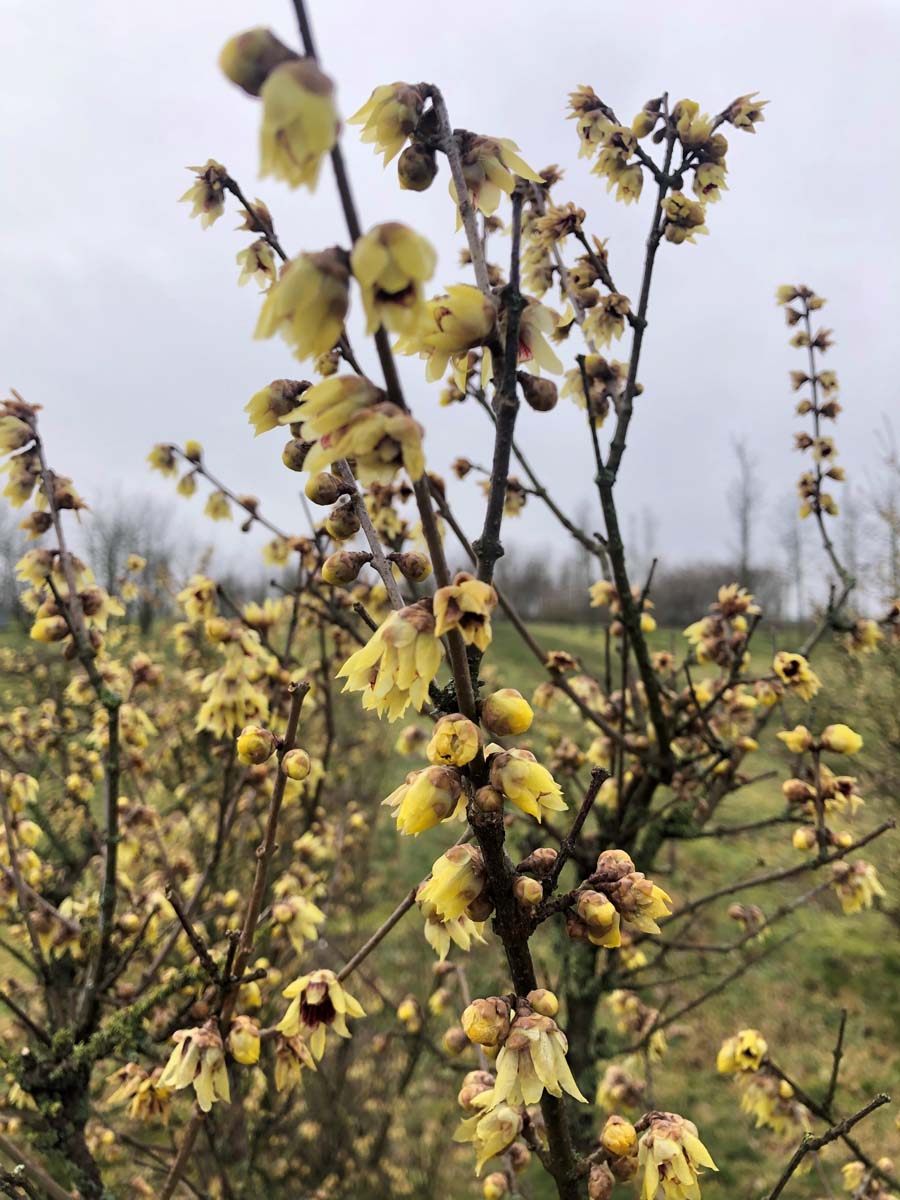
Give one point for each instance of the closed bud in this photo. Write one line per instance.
(474, 1085)
(455, 1040)
(193, 451)
(248, 59)
(841, 739)
(342, 523)
(480, 908)
(614, 864)
(624, 1168)
(488, 799)
(804, 838)
(600, 1182)
(539, 391)
(324, 488)
(495, 1186)
(527, 891)
(294, 454)
(417, 168)
(343, 566)
(486, 1022)
(519, 1156)
(296, 764)
(217, 629)
(543, 1001)
(255, 745)
(539, 862)
(412, 565)
(506, 712)
(619, 1136)
(455, 742)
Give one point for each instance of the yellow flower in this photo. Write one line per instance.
(266, 407)
(746, 113)
(684, 218)
(743, 1052)
(49, 629)
(300, 917)
(425, 799)
(857, 885)
(248, 58)
(207, 193)
(795, 671)
(457, 879)
(506, 712)
(605, 322)
(243, 1040)
(638, 900)
(199, 1060)
(671, 1155)
(532, 1059)
(308, 303)
(300, 123)
(534, 352)
(199, 598)
(255, 745)
(391, 262)
(489, 167)
(440, 931)
(388, 117)
(618, 1136)
(217, 507)
(797, 739)
(162, 458)
(841, 739)
(455, 742)
(14, 433)
(601, 919)
(347, 417)
(396, 666)
(466, 605)
(257, 262)
(526, 783)
(318, 1000)
(292, 1057)
(487, 1022)
(490, 1132)
(454, 323)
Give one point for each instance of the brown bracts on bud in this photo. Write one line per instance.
(249, 58)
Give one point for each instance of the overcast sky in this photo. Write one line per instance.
(122, 317)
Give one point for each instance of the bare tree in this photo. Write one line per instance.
(742, 500)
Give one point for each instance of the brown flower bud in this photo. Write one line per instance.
(294, 454)
(488, 799)
(527, 891)
(600, 1182)
(618, 1136)
(624, 1168)
(249, 58)
(344, 565)
(324, 488)
(540, 862)
(412, 565)
(342, 523)
(539, 391)
(417, 167)
(543, 1001)
(486, 1022)
(613, 865)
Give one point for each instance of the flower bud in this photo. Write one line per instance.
(294, 454)
(486, 1022)
(324, 488)
(796, 791)
(600, 1182)
(474, 1085)
(519, 1156)
(618, 1136)
(539, 391)
(455, 742)
(841, 739)
(543, 1001)
(624, 1168)
(255, 745)
(342, 523)
(488, 799)
(412, 565)
(527, 891)
(455, 1040)
(248, 58)
(506, 712)
(539, 862)
(217, 629)
(614, 864)
(601, 918)
(417, 168)
(243, 1040)
(804, 838)
(480, 908)
(296, 764)
(495, 1186)
(343, 566)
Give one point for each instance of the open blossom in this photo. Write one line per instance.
(199, 1060)
(671, 1156)
(794, 671)
(526, 783)
(490, 1132)
(490, 167)
(257, 262)
(743, 1052)
(466, 605)
(857, 885)
(318, 1002)
(684, 218)
(207, 193)
(440, 931)
(425, 799)
(455, 742)
(391, 262)
(397, 664)
(300, 122)
(457, 879)
(532, 1060)
(346, 416)
(292, 1057)
(308, 302)
(388, 117)
(454, 323)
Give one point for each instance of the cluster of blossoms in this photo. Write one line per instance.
(821, 404)
(765, 1096)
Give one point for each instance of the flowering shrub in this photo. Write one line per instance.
(189, 824)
